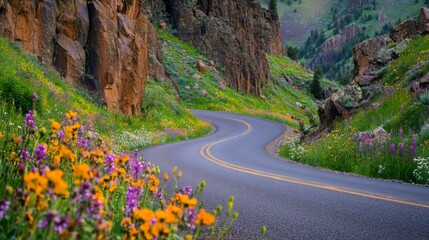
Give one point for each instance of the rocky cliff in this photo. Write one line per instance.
(103, 45)
(330, 49)
(237, 35)
(370, 57)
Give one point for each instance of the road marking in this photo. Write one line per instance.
(206, 153)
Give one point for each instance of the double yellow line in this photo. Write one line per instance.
(206, 153)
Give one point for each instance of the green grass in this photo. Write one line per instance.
(21, 75)
(278, 101)
(398, 112)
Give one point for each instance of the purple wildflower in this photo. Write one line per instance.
(23, 154)
(61, 223)
(393, 148)
(84, 191)
(4, 207)
(132, 200)
(35, 97)
(414, 142)
(136, 167)
(158, 195)
(109, 163)
(30, 121)
(94, 208)
(187, 190)
(49, 216)
(40, 152)
(401, 132)
(191, 214)
(60, 134)
(83, 143)
(412, 150)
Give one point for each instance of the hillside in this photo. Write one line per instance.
(387, 135)
(22, 75)
(325, 33)
(207, 89)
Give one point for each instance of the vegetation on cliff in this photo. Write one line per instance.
(360, 144)
(207, 90)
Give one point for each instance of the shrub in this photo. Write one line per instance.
(347, 101)
(424, 98)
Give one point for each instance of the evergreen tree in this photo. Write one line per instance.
(316, 88)
(272, 5)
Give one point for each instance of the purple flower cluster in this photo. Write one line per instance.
(191, 215)
(30, 121)
(35, 97)
(61, 223)
(187, 190)
(49, 216)
(40, 153)
(132, 200)
(109, 163)
(23, 154)
(4, 207)
(367, 142)
(136, 166)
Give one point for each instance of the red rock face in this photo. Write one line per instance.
(109, 40)
(237, 34)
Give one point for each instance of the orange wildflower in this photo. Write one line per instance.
(60, 186)
(204, 218)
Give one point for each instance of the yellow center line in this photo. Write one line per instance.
(206, 153)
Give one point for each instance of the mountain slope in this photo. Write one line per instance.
(326, 32)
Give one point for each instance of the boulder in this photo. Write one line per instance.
(423, 21)
(331, 111)
(204, 93)
(196, 77)
(163, 25)
(404, 30)
(221, 85)
(380, 133)
(201, 66)
(187, 87)
(424, 81)
(367, 59)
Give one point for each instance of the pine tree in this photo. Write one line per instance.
(272, 5)
(316, 88)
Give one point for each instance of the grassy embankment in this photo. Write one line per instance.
(404, 154)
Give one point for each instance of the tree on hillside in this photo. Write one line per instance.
(272, 5)
(316, 89)
(292, 52)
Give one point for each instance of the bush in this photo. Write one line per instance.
(347, 101)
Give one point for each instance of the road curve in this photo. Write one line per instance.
(293, 201)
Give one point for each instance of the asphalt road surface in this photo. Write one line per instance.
(292, 200)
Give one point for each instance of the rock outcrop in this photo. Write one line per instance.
(103, 45)
(237, 35)
(331, 47)
(370, 57)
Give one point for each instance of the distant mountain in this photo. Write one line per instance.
(326, 30)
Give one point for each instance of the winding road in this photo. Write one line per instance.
(292, 200)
